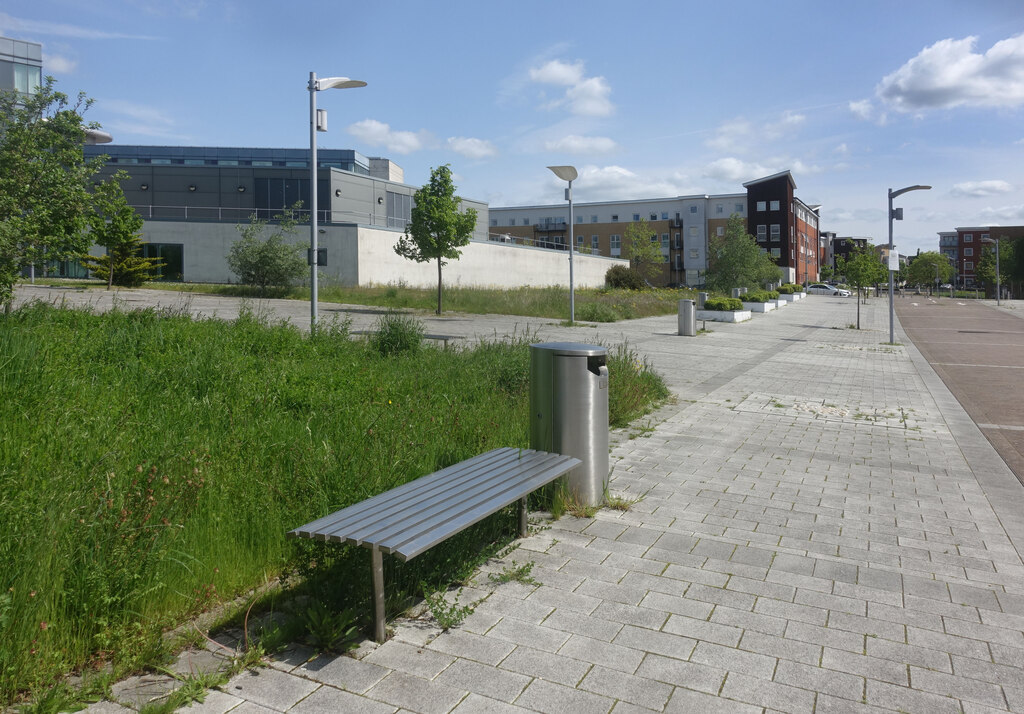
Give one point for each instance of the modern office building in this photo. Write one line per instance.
(193, 200)
(21, 65)
(964, 247)
(783, 225)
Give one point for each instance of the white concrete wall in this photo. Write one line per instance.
(482, 264)
(358, 255)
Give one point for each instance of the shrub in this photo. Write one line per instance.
(270, 262)
(396, 333)
(619, 276)
(794, 287)
(757, 296)
(597, 312)
(727, 304)
(785, 290)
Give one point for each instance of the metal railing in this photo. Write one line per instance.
(540, 243)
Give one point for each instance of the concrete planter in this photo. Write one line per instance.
(724, 315)
(760, 306)
(790, 297)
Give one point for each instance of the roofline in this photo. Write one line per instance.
(787, 173)
(578, 204)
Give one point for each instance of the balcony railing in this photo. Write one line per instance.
(539, 243)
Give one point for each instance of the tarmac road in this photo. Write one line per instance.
(977, 349)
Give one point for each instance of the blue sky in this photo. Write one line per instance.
(647, 99)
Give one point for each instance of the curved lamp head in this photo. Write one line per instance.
(900, 192)
(566, 173)
(338, 83)
(96, 136)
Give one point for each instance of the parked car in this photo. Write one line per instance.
(822, 289)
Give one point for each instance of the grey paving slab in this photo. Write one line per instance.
(823, 528)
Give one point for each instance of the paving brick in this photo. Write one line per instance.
(761, 588)
(613, 656)
(1001, 674)
(957, 687)
(580, 624)
(748, 620)
(868, 626)
(685, 674)
(719, 596)
(412, 660)
(792, 611)
(703, 630)
(343, 672)
(524, 633)
(953, 644)
(987, 633)
(555, 598)
(484, 680)
(780, 647)
(685, 701)
(817, 679)
(328, 700)
(627, 688)
(476, 704)
(542, 696)
(734, 660)
(627, 614)
(546, 665)
(767, 694)
(661, 643)
(270, 688)
(677, 605)
(909, 654)
(814, 634)
(625, 594)
(415, 694)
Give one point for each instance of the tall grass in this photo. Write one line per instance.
(150, 465)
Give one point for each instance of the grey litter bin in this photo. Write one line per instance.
(736, 292)
(701, 299)
(569, 411)
(687, 318)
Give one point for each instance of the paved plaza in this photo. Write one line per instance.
(820, 527)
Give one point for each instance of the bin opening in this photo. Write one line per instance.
(594, 364)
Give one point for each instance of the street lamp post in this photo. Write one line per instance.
(317, 124)
(569, 173)
(896, 215)
(998, 285)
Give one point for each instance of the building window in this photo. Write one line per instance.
(719, 209)
(399, 207)
(526, 221)
(739, 208)
(615, 218)
(720, 231)
(968, 251)
(615, 244)
(694, 253)
(664, 242)
(968, 237)
(636, 217)
(579, 219)
(511, 221)
(762, 232)
(776, 231)
(579, 242)
(775, 205)
(693, 231)
(594, 243)
(593, 219)
(984, 236)
(664, 215)
(693, 209)
(494, 222)
(968, 265)
(654, 216)
(776, 253)
(679, 242)
(762, 206)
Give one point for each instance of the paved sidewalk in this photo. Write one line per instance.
(822, 529)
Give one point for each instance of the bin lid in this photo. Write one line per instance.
(574, 349)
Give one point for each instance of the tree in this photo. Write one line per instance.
(115, 225)
(640, 245)
(985, 270)
(862, 268)
(43, 180)
(927, 266)
(271, 262)
(735, 260)
(826, 272)
(438, 229)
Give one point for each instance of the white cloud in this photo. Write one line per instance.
(950, 74)
(130, 118)
(558, 72)
(979, 189)
(615, 183)
(56, 64)
(376, 133)
(574, 144)
(736, 135)
(995, 216)
(842, 150)
(731, 136)
(584, 96)
(472, 148)
(736, 170)
(13, 26)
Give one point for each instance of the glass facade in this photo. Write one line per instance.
(173, 255)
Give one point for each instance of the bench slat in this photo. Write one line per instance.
(410, 492)
(441, 496)
(413, 517)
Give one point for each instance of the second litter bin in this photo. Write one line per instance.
(569, 411)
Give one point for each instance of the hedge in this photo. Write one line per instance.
(725, 304)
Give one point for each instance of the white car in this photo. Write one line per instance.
(823, 289)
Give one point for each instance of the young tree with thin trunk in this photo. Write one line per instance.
(640, 245)
(437, 229)
(863, 268)
(115, 225)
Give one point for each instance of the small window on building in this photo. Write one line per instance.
(774, 205)
(615, 218)
(664, 215)
(636, 216)
(968, 251)
(739, 208)
(494, 222)
(693, 209)
(719, 209)
(595, 243)
(762, 206)
(762, 232)
(720, 231)
(664, 242)
(579, 242)
(593, 219)
(968, 237)
(693, 231)
(511, 221)
(984, 236)
(776, 253)
(579, 219)
(694, 253)
(526, 221)
(679, 242)
(968, 265)
(615, 243)
(776, 231)
(654, 216)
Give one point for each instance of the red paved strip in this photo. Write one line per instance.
(978, 351)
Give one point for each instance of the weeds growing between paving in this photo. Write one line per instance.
(151, 463)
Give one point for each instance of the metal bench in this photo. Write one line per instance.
(415, 516)
(428, 336)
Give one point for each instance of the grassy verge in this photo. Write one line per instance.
(151, 463)
(595, 305)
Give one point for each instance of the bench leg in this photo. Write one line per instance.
(524, 529)
(377, 565)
